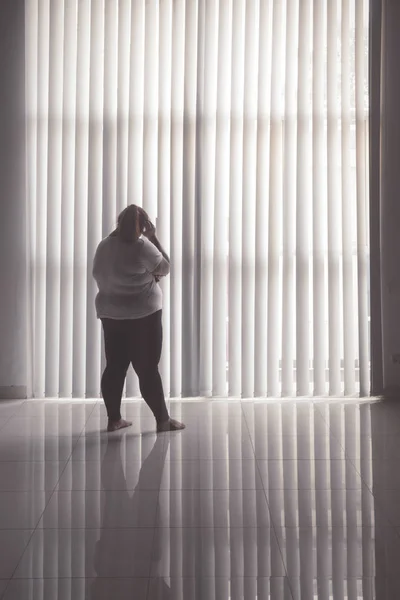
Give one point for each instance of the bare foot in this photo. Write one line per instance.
(117, 425)
(170, 425)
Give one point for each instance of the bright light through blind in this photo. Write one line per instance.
(242, 127)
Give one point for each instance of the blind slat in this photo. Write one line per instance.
(207, 176)
(235, 200)
(122, 68)
(348, 222)
(303, 212)
(319, 199)
(188, 333)
(221, 205)
(135, 131)
(334, 213)
(31, 91)
(361, 68)
(262, 203)
(164, 173)
(112, 182)
(289, 201)
(150, 108)
(111, 114)
(275, 205)
(81, 199)
(249, 197)
(95, 190)
(177, 127)
(54, 184)
(41, 195)
(67, 201)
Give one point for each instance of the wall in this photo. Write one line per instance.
(390, 197)
(13, 372)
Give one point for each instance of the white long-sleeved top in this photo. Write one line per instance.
(125, 277)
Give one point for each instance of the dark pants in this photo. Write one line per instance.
(136, 341)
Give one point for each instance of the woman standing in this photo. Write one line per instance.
(127, 267)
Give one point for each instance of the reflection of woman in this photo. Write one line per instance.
(127, 266)
(114, 479)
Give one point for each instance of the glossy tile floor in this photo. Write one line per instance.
(284, 500)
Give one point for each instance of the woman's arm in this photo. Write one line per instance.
(163, 269)
(154, 240)
(149, 231)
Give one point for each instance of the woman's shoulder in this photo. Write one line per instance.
(113, 238)
(113, 243)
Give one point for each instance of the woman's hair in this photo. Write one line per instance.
(130, 223)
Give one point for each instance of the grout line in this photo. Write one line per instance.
(3, 595)
(7, 419)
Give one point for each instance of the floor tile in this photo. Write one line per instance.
(216, 552)
(213, 508)
(12, 546)
(332, 589)
(309, 474)
(385, 474)
(70, 553)
(385, 422)
(51, 449)
(207, 407)
(213, 427)
(124, 446)
(211, 475)
(100, 509)
(30, 476)
(206, 446)
(357, 446)
(22, 510)
(44, 427)
(77, 589)
(61, 408)
(327, 552)
(219, 588)
(385, 447)
(308, 508)
(8, 408)
(385, 587)
(387, 551)
(140, 425)
(388, 502)
(300, 447)
(109, 475)
(212, 419)
(135, 409)
(3, 585)
(283, 418)
(3, 422)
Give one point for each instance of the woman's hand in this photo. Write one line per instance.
(149, 230)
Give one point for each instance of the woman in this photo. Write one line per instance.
(127, 266)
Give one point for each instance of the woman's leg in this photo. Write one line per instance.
(146, 345)
(116, 342)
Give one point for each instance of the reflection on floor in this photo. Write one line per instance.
(282, 500)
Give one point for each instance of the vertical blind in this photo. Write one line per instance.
(241, 127)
